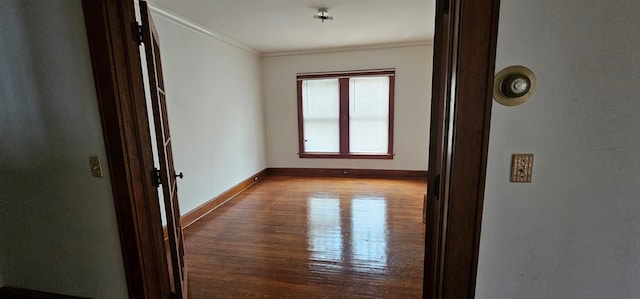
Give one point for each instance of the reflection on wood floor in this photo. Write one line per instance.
(290, 237)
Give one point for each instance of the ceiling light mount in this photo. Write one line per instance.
(323, 14)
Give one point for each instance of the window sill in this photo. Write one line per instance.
(346, 156)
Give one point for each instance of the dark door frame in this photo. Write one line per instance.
(464, 63)
(464, 56)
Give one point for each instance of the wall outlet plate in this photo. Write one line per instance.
(521, 168)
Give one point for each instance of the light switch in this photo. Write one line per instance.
(521, 168)
(96, 166)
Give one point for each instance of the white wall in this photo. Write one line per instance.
(215, 111)
(412, 101)
(574, 232)
(58, 230)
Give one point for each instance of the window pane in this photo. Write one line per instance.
(320, 111)
(369, 115)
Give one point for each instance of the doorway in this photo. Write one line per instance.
(468, 43)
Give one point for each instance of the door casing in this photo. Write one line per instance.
(464, 64)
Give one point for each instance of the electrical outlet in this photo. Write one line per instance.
(521, 168)
(96, 166)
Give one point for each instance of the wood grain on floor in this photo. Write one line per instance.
(291, 237)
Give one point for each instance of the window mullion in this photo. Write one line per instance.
(344, 115)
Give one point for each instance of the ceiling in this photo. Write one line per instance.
(273, 26)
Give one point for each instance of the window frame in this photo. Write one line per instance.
(343, 78)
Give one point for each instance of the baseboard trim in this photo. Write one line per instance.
(207, 207)
(18, 293)
(349, 172)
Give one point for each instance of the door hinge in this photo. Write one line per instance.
(155, 177)
(436, 187)
(137, 33)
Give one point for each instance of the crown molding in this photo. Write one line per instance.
(172, 16)
(350, 48)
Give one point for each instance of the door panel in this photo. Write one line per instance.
(168, 176)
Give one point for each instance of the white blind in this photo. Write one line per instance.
(369, 115)
(321, 115)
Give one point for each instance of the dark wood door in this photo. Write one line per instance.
(167, 174)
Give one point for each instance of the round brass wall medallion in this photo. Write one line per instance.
(514, 85)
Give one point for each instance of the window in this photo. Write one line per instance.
(346, 115)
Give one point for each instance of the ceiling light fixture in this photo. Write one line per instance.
(514, 85)
(323, 14)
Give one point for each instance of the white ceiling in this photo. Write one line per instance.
(272, 26)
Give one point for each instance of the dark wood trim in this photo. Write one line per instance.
(476, 54)
(442, 64)
(346, 156)
(392, 92)
(300, 118)
(207, 207)
(474, 96)
(343, 83)
(117, 72)
(340, 172)
(344, 115)
(464, 61)
(354, 73)
(18, 293)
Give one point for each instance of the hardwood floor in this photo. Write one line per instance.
(290, 237)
